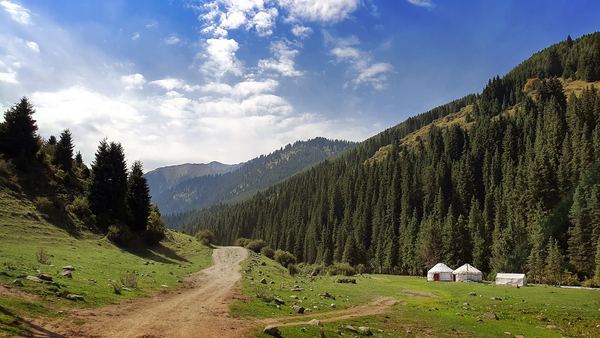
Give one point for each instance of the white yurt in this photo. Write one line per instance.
(440, 272)
(511, 279)
(467, 272)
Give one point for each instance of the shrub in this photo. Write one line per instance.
(268, 252)
(284, 258)
(44, 205)
(155, 228)
(591, 283)
(262, 294)
(292, 269)
(344, 269)
(256, 245)
(42, 256)
(206, 236)
(361, 268)
(80, 207)
(120, 235)
(242, 241)
(130, 280)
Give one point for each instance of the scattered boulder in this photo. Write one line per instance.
(472, 293)
(18, 282)
(263, 281)
(296, 288)
(298, 308)
(278, 301)
(346, 281)
(67, 273)
(553, 327)
(332, 305)
(351, 328)
(34, 279)
(490, 316)
(294, 297)
(326, 295)
(365, 330)
(314, 322)
(68, 267)
(75, 297)
(272, 330)
(45, 276)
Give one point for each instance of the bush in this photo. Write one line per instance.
(242, 242)
(120, 235)
(292, 269)
(284, 258)
(80, 207)
(268, 252)
(206, 236)
(591, 283)
(344, 269)
(130, 280)
(256, 245)
(155, 228)
(44, 206)
(361, 268)
(42, 256)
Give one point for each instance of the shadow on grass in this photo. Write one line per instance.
(158, 253)
(27, 327)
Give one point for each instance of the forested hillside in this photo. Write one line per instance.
(107, 198)
(508, 180)
(254, 175)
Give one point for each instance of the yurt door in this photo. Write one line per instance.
(436, 277)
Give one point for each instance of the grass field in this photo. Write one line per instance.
(98, 264)
(424, 308)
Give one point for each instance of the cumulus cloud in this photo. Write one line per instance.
(33, 46)
(9, 76)
(241, 89)
(17, 12)
(171, 84)
(301, 31)
(282, 61)
(220, 58)
(172, 40)
(325, 11)
(220, 16)
(133, 81)
(421, 3)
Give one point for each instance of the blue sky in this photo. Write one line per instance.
(196, 81)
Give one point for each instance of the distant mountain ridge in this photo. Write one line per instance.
(165, 178)
(239, 181)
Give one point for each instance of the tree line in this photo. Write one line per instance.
(514, 188)
(107, 198)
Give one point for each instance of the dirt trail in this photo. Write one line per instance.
(379, 306)
(198, 310)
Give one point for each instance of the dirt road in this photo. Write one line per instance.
(199, 310)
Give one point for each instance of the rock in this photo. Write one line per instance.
(164, 286)
(472, 293)
(508, 333)
(294, 297)
(365, 330)
(272, 330)
(490, 316)
(553, 327)
(296, 288)
(68, 267)
(34, 279)
(346, 280)
(332, 305)
(263, 281)
(351, 328)
(278, 300)
(75, 297)
(18, 282)
(326, 295)
(495, 298)
(45, 276)
(67, 273)
(298, 308)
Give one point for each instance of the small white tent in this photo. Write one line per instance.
(467, 272)
(511, 279)
(440, 272)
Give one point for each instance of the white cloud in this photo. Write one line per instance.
(33, 46)
(133, 81)
(422, 3)
(220, 16)
(17, 12)
(326, 11)
(365, 71)
(172, 40)
(9, 77)
(171, 84)
(282, 62)
(220, 58)
(301, 31)
(241, 89)
(135, 36)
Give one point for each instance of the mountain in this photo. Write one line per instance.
(247, 178)
(508, 180)
(165, 178)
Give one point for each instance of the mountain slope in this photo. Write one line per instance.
(165, 178)
(252, 176)
(502, 180)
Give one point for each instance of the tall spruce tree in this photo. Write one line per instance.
(554, 263)
(18, 133)
(138, 198)
(64, 151)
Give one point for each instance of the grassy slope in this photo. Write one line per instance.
(97, 261)
(434, 309)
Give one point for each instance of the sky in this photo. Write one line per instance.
(226, 80)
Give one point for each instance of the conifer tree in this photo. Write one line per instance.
(138, 198)
(554, 263)
(18, 133)
(64, 151)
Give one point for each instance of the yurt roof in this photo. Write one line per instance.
(467, 269)
(440, 267)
